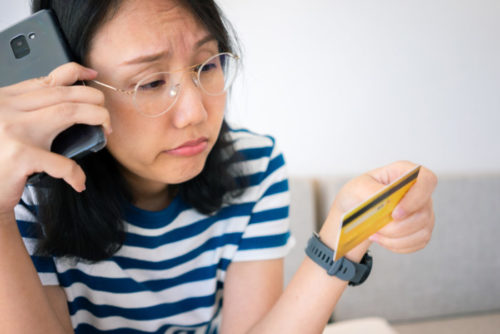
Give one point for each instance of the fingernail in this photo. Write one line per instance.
(91, 71)
(373, 238)
(398, 213)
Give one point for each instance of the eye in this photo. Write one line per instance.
(210, 66)
(153, 85)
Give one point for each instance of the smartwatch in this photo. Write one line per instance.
(346, 270)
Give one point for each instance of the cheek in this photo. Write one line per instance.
(126, 122)
(215, 107)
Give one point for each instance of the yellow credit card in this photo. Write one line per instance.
(370, 216)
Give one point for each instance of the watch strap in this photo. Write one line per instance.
(345, 269)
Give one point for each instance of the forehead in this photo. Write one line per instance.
(147, 26)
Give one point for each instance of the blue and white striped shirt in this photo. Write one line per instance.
(169, 275)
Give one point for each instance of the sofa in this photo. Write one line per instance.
(451, 286)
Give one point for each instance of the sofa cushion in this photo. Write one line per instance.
(302, 222)
(357, 326)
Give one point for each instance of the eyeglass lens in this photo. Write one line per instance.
(157, 93)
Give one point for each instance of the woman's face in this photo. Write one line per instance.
(144, 37)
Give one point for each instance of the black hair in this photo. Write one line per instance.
(90, 225)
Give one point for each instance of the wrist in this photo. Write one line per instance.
(330, 229)
(354, 271)
(329, 235)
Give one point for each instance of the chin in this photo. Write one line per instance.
(182, 173)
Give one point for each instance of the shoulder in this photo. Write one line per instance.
(259, 153)
(244, 139)
(261, 162)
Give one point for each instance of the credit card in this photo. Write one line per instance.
(370, 216)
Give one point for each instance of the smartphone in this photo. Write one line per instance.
(31, 49)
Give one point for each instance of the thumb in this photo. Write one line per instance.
(357, 191)
(418, 196)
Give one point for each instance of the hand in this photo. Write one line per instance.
(413, 217)
(32, 114)
(411, 229)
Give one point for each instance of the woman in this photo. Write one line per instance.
(180, 214)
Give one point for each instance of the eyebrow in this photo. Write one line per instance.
(159, 55)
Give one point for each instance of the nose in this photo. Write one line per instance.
(189, 108)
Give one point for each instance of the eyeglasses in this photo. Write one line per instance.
(157, 93)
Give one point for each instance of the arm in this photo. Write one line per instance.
(311, 296)
(25, 307)
(253, 302)
(57, 298)
(250, 290)
(32, 113)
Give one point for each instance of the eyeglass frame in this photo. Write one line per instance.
(133, 92)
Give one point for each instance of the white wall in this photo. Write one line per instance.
(348, 85)
(12, 11)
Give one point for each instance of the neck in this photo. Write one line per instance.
(148, 194)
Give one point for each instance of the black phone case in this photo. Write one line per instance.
(47, 51)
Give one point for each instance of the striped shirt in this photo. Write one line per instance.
(169, 275)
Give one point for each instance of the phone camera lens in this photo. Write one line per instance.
(20, 47)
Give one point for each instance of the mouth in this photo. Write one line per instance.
(190, 148)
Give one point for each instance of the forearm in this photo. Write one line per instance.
(309, 299)
(24, 307)
(306, 303)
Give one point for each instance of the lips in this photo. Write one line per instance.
(190, 148)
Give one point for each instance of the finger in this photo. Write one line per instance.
(409, 225)
(64, 75)
(416, 240)
(45, 97)
(418, 195)
(409, 250)
(391, 172)
(60, 117)
(57, 166)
